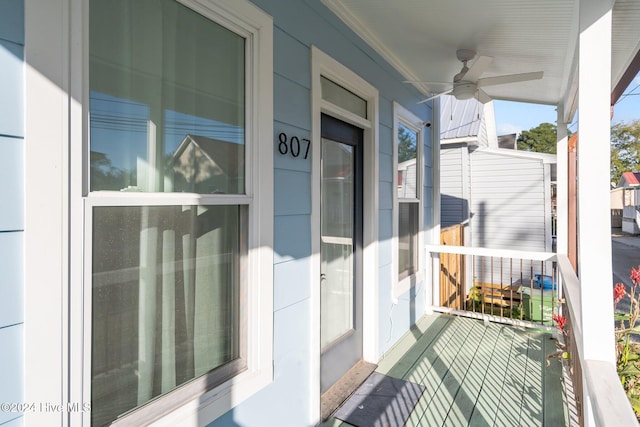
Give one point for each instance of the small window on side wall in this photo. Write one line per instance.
(408, 140)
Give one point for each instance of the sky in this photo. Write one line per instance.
(514, 117)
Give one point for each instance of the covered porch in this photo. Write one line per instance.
(589, 52)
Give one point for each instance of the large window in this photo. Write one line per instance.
(172, 205)
(408, 197)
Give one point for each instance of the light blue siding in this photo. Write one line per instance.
(16, 422)
(291, 58)
(385, 199)
(11, 284)
(12, 189)
(385, 247)
(11, 88)
(386, 168)
(11, 207)
(292, 285)
(292, 237)
(292, 102)
(11, 369)
(385, 220)
(286, 400)
(12, 21)
(290, 194)
(385, 140)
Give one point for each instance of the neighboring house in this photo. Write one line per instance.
(617, 204)
(154, 273)
(205, 165)
(629, 179)
(629, 186)
(504, 197)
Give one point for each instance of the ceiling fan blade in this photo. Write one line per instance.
(435, 96)
(427, 83)
(483, 97)
(475, 71)
(510, 78)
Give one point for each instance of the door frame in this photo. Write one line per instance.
(323, 65)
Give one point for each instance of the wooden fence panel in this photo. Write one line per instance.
(452, 269)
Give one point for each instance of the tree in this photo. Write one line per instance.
(541, 139)
(105, 176)
(407, 148)
(625, 149)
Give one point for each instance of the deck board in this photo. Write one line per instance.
(552, 411)
(508, 413)
(466, 399)
(433, 367)
(477, 375)
(460, 364)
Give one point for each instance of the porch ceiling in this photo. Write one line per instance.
(420, 39)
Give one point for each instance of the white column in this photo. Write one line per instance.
(562, 185)
(594, 221)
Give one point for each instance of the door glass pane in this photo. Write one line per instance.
(166, 300)
(337, 240)
(407, 155)
(407, 238)
(167, 100)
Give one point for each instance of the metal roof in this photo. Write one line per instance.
(460, 119)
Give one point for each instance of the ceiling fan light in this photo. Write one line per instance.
(464, 91)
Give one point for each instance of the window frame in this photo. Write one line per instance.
(403, 283)
(195, 401)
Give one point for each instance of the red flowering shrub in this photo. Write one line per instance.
(627, 350)
(618, 293)
(560, 321)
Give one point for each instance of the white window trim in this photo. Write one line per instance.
(405, 117)
(245, 19)
(323, 65)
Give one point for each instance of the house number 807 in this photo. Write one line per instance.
(293, 145)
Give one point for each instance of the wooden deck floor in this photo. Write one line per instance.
(477, 375)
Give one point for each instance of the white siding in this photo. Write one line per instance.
(508, 202)
(454, 205)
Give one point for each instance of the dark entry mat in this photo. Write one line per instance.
(381, 401)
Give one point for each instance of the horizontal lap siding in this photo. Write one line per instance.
(453, 205)
(11, 207)
(507, 201)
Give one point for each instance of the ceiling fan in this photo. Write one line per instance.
(467, 83)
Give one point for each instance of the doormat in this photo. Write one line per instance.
(381, 401)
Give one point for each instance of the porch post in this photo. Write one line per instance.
(562, 185)
(594, 222)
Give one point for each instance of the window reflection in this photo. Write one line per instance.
(163, 80)
(407, 155)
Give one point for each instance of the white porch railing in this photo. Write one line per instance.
(600, 398)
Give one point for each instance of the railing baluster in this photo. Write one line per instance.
(481, 286)
(521, 293)
(501, 287)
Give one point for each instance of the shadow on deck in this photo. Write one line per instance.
(475, 375)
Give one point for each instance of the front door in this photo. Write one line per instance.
(340, 249)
